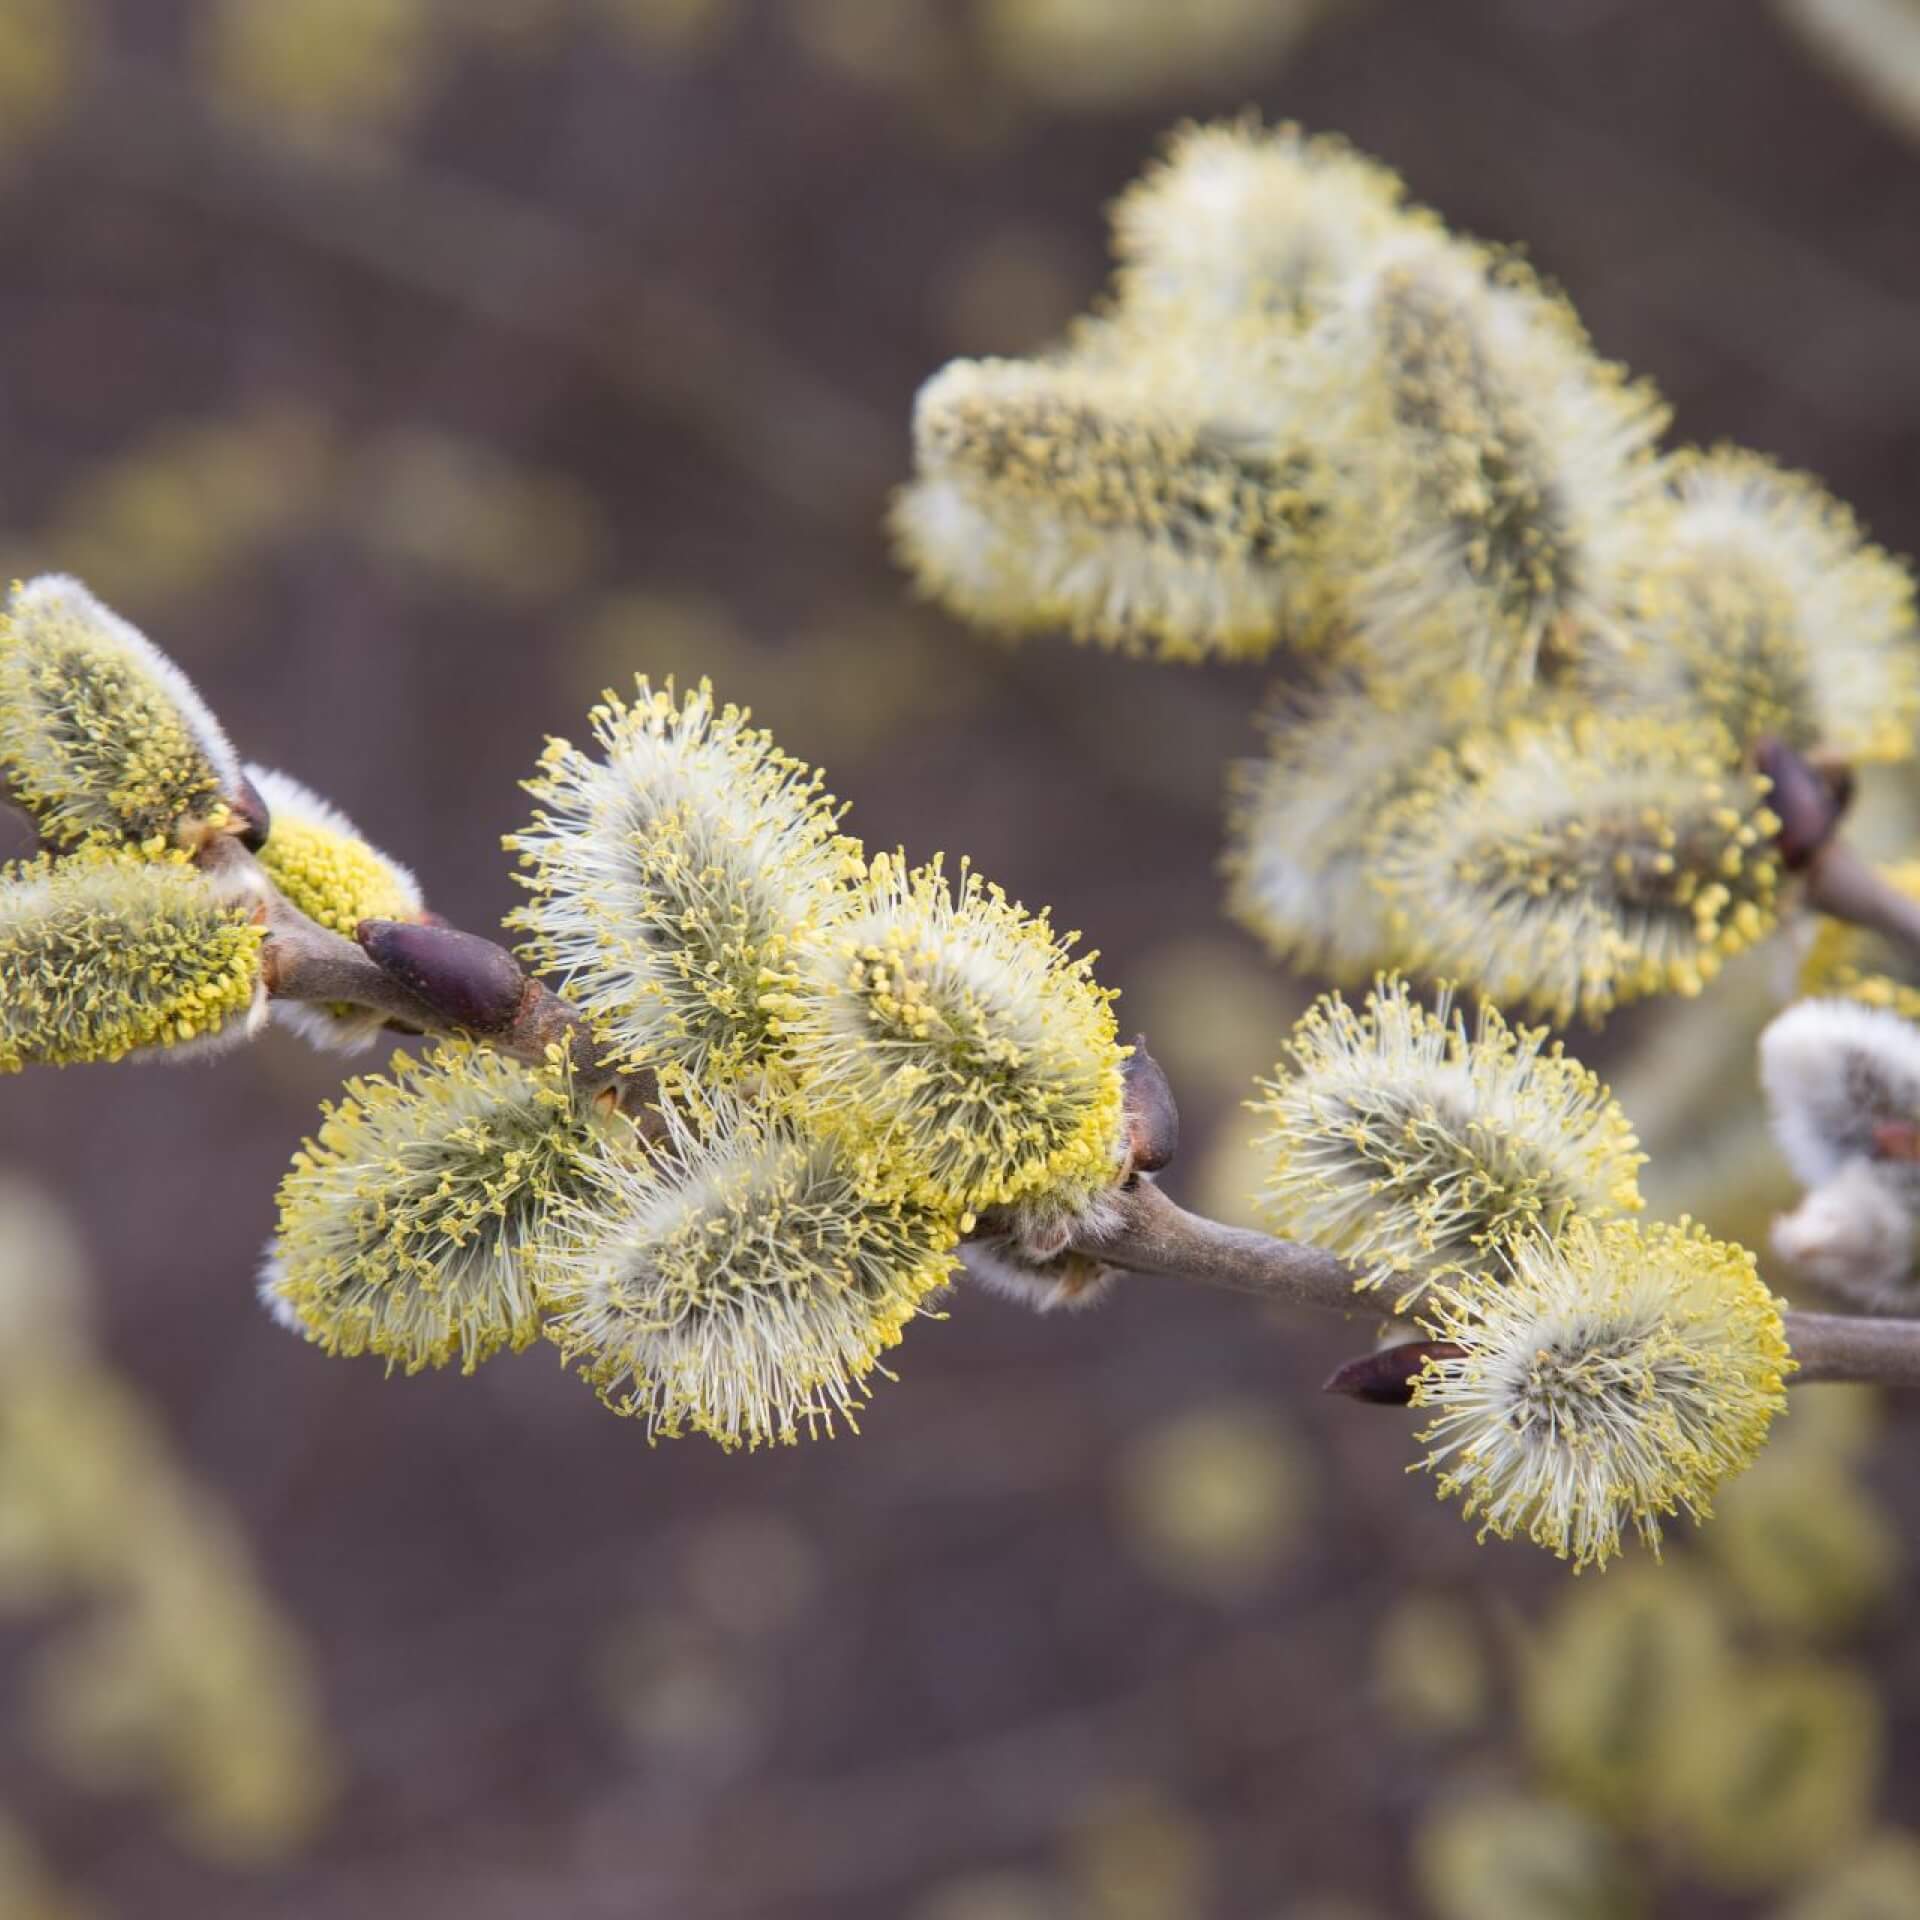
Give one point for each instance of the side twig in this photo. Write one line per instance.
(422, 979)
(1841, 1346)
(1843, 886)
(1155, 1236)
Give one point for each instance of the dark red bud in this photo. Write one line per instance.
(1153, 1121)
(470, 982)
(1385, 1377)
(1808, 799)
(253, 814)
(1896, 1140)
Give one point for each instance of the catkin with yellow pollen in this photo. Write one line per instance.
(1300, 820)
(678, 880)
(1238, 222)
(108, 953)
(1415, 1148)
(1600, 1380)
(1494, 459)
(319, 861)
(949, 1038)
(1569, 862)
(1756, 598)
(1049, 495)
(743, 1283)
(412, 1225)
(103, 740)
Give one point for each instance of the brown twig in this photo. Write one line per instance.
(1154, 1236)
(1841, 1346)
(422, 979)
(1843, 886)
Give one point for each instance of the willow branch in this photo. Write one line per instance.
(1843, 886)
(426, 979)
(1155, 1236)
(1842, 1346)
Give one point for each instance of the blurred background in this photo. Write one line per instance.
(413, 369)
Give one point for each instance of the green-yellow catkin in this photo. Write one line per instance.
(1620, 1685)
(412, 1226)
(1501, 458)
(320, 861)
(321, 864)
(1308, 415)
(103, 740)
(1050, 495)
(743, 1284)
(1414, 1147)
(1600, 1380)
(1756, 599)
(678, 882)
(1786, 1778)
(1569, 862)
(950, 1041)
(1505, 1856)
(107, 954)
(1300, 820)
(1806, 1545)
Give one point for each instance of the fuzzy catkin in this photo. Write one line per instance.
(1755, 598)
(950, 1040)
(1606, 1379)
(1415, 1148)
(742, 1283)
(103, 740)
(413, 1224)
(678, 882)
(1573, 861)
(1051, 495)
(108, 953)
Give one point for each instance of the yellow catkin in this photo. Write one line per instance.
(1494, 456)
(1414, 1147)
(679, 880)
(413, 1224)
(320, 862)
(102, 739)
(1571, 861)
(1601, 1380)
(1053, 496)
(1300, 821)
(743, 1284)
(107, 953)
(1755, 598)
(949, 1038)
